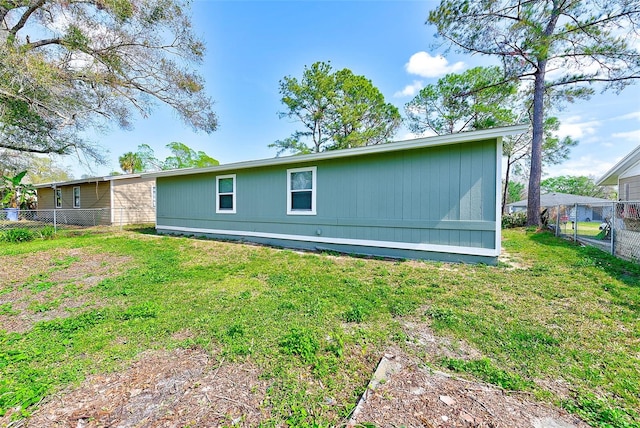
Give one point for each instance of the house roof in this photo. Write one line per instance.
(611, 177)
(86, 180)
(555, 199)
(437, 140)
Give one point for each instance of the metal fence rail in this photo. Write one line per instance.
(64, 219)
(613, 227)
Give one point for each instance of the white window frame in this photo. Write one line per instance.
(57, 197)
(74, 197)
(232, 193)
(314, 190)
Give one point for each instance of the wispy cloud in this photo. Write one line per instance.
(410, 90)
(413, 135)
(634, 115)
(425, 65)
(631, 135)
(576, 128)
(585, 165)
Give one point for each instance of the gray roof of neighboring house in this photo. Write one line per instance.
(611, 177)
(87, 180)
(555, 199)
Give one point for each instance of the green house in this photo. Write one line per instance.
(431, 198)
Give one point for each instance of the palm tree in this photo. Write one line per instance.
(130, 162)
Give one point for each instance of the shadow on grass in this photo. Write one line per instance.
(625, 271)
(144, 229)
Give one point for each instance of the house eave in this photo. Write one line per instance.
(433, 141)
(54, 184)
(610, 178)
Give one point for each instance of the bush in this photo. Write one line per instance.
(47, 232)
(518, 219)
(17, 235)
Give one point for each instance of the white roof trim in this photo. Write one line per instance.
(87, 180)
(611, 177)
(437, 140)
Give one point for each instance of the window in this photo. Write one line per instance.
(226, 194)
(76, 197)
(58, 198)
(301, 191)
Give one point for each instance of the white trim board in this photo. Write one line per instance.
(452, 249)
(433, 141)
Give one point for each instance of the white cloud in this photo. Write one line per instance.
(556, 71)
(412, 135)
(631, 135)
(425, 65)
(634, 115)
(573, 127)
(410, 90)
(584, 165)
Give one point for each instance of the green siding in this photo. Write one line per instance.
(442, 195)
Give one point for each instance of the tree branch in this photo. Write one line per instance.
(25, 17)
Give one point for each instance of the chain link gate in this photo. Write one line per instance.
(613, 227)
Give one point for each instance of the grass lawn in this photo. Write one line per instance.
(316, 324)
(585, 228)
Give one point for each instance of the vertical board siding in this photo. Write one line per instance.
(133, 200)
(634, 188)
(415, 196)
(46, 199)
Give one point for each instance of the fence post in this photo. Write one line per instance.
(558, 220)
(55, 224)
(575, 223)
(613, 228)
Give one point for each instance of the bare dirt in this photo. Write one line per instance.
(51, 285)
(191, 388)
(179, 388)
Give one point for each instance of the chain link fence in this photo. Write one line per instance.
(64, 219)
(613, 227)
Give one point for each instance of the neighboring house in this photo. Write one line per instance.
(429, 198)
(124, 199)
(626, 175)
(589, 208)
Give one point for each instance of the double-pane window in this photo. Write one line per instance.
(76, 197)
(58, 198)
(301, 191)
(226, 194)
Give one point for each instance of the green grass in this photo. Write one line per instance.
(566, 313)
(591, 228)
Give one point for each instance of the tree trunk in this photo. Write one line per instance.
(506, 185)
(533, 201)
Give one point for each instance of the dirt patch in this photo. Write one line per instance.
(425, 342)
(184, 387)
(415, 396)
(51, 284)
(188, 387)
(511, 262)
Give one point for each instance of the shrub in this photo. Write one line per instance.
(17, 235)
(518, 219)
(47, 232)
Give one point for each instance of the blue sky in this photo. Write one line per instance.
(251, 45)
